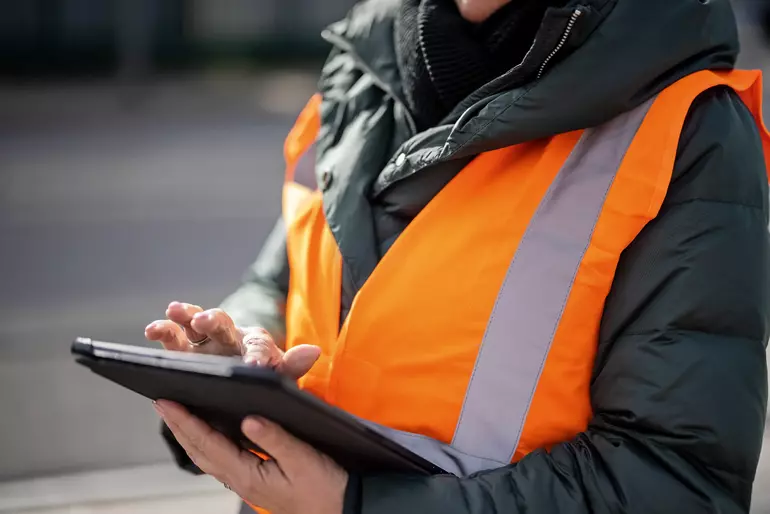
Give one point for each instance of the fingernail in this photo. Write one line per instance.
(254, 424)
(158, 409)
(196, 320)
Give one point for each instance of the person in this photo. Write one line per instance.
(535, 253)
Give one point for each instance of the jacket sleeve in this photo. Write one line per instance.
(679, 387)
(261, 298)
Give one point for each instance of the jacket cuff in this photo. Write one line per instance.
(352, 501)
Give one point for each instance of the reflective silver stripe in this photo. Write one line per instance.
(442, 455)
(529, 307)
(531, 300)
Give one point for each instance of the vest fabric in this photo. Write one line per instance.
(480, 353)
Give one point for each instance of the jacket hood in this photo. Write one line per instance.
(591, 61)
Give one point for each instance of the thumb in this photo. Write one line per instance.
(288, 451)
(298, 360)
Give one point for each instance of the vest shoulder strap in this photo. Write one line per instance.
(664, 123)
(657, 140)
(301, 137)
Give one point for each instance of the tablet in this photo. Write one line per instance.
(223, 390)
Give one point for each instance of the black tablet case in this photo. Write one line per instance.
(224, 401)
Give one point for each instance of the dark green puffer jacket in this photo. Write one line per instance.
(679, 389)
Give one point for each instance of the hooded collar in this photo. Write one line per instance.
(590, 61)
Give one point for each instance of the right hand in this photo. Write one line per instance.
(186, 322)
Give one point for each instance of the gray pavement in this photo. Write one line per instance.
(112, 203)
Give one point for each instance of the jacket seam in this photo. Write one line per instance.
(644, 442)
(686, 331)
(713, 201)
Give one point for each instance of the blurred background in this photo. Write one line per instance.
(140, 162)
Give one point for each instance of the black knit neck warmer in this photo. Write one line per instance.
(443, 58)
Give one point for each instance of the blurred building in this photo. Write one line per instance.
(53, 37)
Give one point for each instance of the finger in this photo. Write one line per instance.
(198, 458)
(195, 456)
(216, 324)
(168, 333)
(183, 313)
(289, 452)
(298, 360)
(260, 349)
(205, 445)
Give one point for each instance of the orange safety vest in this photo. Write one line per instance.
(473, 341)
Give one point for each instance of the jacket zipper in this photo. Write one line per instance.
(567, 31)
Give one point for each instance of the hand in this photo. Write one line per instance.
(188, 323)
(298, 479)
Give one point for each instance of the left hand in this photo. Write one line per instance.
(299, 479)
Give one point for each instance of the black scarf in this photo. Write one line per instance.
(443, 58)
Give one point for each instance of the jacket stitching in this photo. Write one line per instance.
(713, 201)
(658, 333)
(493, 119)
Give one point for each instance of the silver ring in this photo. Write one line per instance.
(196, 344)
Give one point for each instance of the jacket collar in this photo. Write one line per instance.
(367, 35)
(616, 56)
